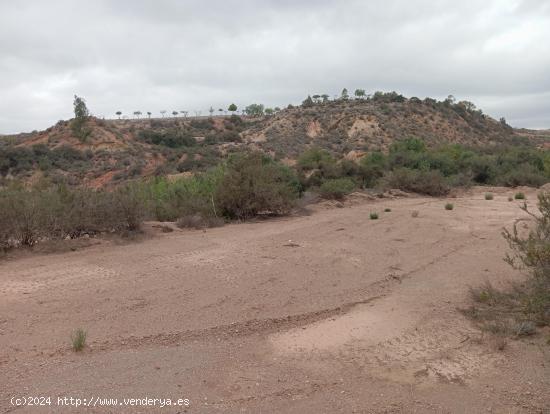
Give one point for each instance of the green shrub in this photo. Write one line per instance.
(336, 188)
(255, 184)
(372, 167)
(449, 206)
(519, 196)
(488, 196)
(387, 210)
(422, 182)
(373, 216)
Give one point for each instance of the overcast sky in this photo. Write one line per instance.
(188, 55)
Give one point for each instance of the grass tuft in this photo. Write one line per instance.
(519, 196)
(78, 339)
(373, 216)
(449, 206)
(488, 196)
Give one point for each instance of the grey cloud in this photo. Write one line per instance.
(168, 54)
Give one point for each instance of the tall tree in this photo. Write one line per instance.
(232, 108)
(119, 113)
(81, 115)
(344, 95)
(149, 115)
(80, 108)
(163, 112)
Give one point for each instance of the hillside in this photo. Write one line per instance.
(116, 150)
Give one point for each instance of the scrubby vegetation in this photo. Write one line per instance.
(449, 206)
(246, 185)
(412, 166)
(336, 188)
(519, 309)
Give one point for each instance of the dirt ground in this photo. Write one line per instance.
(329, 312)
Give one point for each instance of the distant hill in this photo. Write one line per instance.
(116, 150)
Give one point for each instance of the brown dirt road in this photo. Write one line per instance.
(325, 313)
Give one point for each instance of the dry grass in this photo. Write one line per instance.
(78, 339)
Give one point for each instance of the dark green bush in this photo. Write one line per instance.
(422, 182)
(255, 184)
(172, 138)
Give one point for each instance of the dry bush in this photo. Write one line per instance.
(422, 182)
(255, 184)
(518, 309)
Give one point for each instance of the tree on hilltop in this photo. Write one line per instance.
(308, 102)
(360, 93)
(254, 110)
(81, 115)
(344, 95)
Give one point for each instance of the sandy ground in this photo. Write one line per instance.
(323, 313)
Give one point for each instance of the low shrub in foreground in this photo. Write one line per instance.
(373, 216)
(520, 308)
(30, 215)
(449, 206)
(488, 196)
(519, 196)
(336, 188)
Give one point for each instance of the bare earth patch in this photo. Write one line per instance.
(358, 315)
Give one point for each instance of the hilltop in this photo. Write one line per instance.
(116, 150)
